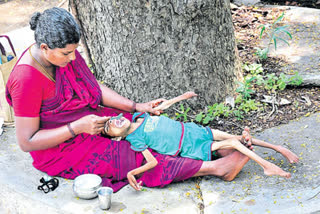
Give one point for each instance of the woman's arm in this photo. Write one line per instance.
(31, 138)
(151, 163)
(112, 99)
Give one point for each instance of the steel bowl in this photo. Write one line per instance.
(85, 186)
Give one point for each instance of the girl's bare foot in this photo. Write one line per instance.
(291, 157)
(246, 138)
(272, 169)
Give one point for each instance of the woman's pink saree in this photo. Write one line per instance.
(78, 94)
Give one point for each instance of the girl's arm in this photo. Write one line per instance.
(166, 104)
(112, 99)
(151, 163)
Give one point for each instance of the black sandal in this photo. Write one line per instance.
(46, 186)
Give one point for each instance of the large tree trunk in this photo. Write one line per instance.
(150, 49)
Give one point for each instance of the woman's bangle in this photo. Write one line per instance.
(70, 130)
(134, 104)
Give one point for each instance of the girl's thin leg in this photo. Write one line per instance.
(245, 138)
(269, 168)
(220, 135)
(290, 156)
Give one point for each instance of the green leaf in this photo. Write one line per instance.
(287, 32)
(279, 19)
(265, 52)
(178, 115)
(246, 68)
(262, 30)
(199, 117)
(251, 79)
(250, 91)
(275, 43)
(282, 85)
(283, 40)
(207, 119)
(238, 99)
(281, 28)
(182, 107)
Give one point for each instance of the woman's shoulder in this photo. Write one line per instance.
(25, 72)
(26, 76)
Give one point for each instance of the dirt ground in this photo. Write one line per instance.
(15, 14)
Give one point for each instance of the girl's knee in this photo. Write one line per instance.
(235, 142)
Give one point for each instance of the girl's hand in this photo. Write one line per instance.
(149, 106)
(90, 124)
(133, 182)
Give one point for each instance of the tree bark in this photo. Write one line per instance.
(149, 49)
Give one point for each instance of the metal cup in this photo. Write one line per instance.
(104, 194)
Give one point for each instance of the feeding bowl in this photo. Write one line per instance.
(85, 186)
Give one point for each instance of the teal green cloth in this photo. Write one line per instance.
(160, 133)
(197, 142)
(163, 135)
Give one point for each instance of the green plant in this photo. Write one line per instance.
(245, 88)
(295, 80)
(184, 113)
(199, 117)
(164, 114)
(216, 110)
(221, 110)
(273, 35)
(207, 119)
(262, 53)
(244, 106)
(259, 80)
(239, 99)
(274, 83)
(254, 68)
(248, 105)
(270, 82)
(282, 82)
(239, 114)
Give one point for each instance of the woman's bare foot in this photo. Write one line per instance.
(233, 164)
(272, 169)
(291, 157)
(225, 168)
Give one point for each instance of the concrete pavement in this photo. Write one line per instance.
(250, 192)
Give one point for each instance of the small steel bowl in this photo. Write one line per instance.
(85, 186)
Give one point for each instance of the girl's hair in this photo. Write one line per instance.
(55, 27)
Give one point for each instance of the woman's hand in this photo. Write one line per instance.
(149, 106)
(90, 124)
(133, 182)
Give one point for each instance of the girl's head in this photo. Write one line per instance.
(117, 126)
(55, 27)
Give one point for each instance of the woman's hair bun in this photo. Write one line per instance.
(34, 20)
